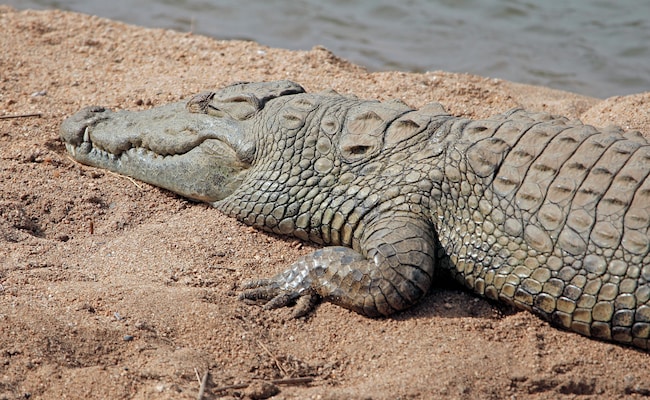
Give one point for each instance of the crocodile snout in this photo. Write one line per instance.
(73, 129)
(187, 153)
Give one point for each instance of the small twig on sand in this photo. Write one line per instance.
(287, 381)
(231, 387)
(198, 377)
(204, 383)
(275, 359)
(73, 160)
(224, 268)
(21, 116)
(292, 381)
(125, 177)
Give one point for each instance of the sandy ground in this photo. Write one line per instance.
(114, 289)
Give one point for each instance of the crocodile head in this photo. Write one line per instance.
(252, 146)
(200, 149)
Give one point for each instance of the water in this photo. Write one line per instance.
(599, 48)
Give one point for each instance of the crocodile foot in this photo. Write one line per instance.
(272, 294)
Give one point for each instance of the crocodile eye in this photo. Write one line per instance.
(239, 107)
(200, 103)
(215, 111)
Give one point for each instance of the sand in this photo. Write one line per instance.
(114, 289)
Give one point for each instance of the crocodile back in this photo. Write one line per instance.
(560, 222)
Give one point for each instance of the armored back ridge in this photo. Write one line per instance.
(547, 214)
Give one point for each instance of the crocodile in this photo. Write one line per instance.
(541, 212)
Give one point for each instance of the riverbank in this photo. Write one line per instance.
(111, 288)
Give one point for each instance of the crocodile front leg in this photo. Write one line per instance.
(391, 271)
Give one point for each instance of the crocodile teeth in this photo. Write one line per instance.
(71, 149)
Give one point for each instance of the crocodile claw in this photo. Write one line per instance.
(271, 295)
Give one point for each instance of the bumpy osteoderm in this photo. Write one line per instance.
(547, 214)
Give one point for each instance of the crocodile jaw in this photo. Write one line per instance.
(195, 155)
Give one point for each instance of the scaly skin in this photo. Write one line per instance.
(547, 214)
